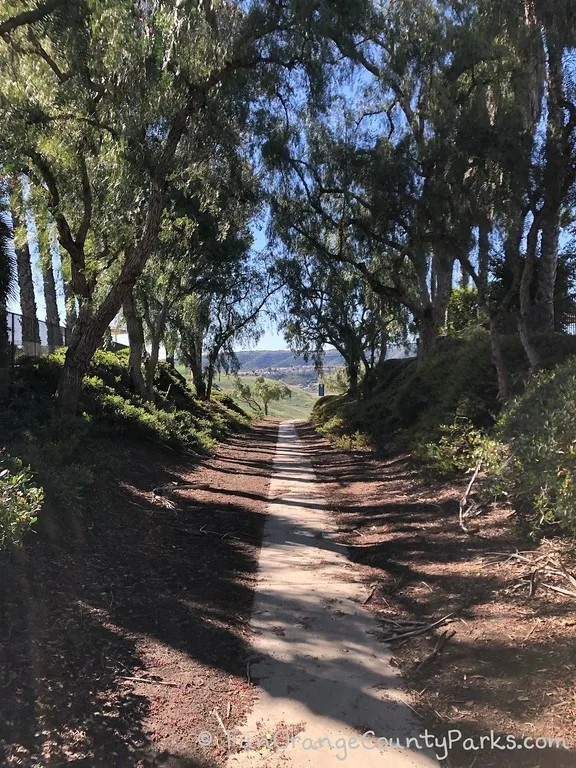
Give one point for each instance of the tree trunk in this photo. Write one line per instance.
(90, 327)
(52, 316)
(428, 332)
(498, 360)
(352, 369)
(525, 294)
(30, 327)
(136, 342)
(71, 314)
(443, 267)
(195, 362)
(5, 290)
(210, 377)
(53, 330)
(86, 338)
(554, 173)
(156, 328)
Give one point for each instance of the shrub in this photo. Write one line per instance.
(354, 442)
(539, 429)
(65, 457)
(20, 500)
(463, 310)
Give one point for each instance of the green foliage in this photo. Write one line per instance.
(539, 431)
(336, 429)
(20, 500)
(460, 448)
(463, 312)
(66, 457)
(261, 393)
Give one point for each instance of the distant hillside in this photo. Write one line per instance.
(282, 358)
(258, 360)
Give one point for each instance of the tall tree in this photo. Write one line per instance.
(30, 328)
(141, 90)
(6, 284)
(45, 253)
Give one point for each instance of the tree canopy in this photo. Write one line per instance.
(384, 154)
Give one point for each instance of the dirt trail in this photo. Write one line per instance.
(323, 678)
(161, 592)
(507, 668)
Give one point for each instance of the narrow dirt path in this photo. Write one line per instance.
(323, 678)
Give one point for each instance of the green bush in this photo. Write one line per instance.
(539, 431)
(20, 500)
(463, 310)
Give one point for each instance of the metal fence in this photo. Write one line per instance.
(29, 336)
(565, 315)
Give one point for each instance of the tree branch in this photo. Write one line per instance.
(29, 17)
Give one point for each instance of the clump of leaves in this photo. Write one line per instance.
(20, 500)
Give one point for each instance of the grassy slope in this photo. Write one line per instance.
(299, 406)
(65, 458)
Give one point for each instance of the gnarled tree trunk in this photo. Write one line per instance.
(195, 362)
(92, 323)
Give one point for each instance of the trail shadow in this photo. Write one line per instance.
(404, 529)
(75, 612)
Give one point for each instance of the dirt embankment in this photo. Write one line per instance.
(135, 586)
(508, 662)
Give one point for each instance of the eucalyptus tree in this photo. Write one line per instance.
(326, 303)
(6, 283)
(30, 328)
(554, 25)
(105, 104)
(436, 157)
(205, 234)
(370, 170)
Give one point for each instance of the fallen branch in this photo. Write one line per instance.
(161, 489)
(559, 589)
(220, 723)
(444, 637)
(149, 681)
(370, 594)
(420, 630)
(548, 564)
(464, 508)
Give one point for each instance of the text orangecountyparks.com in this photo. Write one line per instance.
(283, 739)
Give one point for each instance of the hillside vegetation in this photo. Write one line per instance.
(445, 411)
(61, 460)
